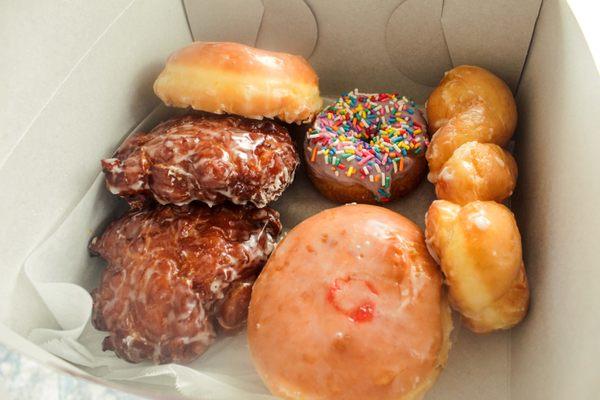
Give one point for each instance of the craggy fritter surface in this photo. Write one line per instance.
(176, 275)
(206, 157)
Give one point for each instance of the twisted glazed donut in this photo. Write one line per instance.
(175, 274)
(479, 249)
(477, 171)
(471, 104)
(204, 157)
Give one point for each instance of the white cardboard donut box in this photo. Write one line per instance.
(76, 78)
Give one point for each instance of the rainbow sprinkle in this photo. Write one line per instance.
(367, 137)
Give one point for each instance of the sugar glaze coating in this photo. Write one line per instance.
(175, 275)
(204, 157)
(355, 306)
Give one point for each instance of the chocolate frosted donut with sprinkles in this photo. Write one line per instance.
(367, 148)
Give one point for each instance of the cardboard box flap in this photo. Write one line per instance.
(269, 24)
(555, 352)
(492, 34)
(288, 26)
(415, 41)
(32, 76)
(224, 21)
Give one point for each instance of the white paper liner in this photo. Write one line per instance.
(63, 273)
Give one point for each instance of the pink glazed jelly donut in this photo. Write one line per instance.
(350, 306)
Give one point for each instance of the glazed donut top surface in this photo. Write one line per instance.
(348, 307)
(367, 138)
(232, 78)
(204, 157)
(242, 59)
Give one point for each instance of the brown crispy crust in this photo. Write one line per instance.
(176, 275)
(204, 157)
